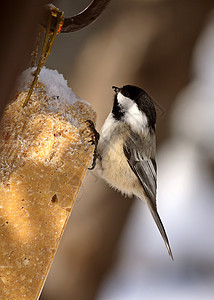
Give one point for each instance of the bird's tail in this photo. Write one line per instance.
(160, 226)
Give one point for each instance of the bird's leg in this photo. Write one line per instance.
(94, 142)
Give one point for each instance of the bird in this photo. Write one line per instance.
(127, 147)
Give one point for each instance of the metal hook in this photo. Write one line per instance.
(81, 20)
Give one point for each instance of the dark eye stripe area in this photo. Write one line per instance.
(126, 94)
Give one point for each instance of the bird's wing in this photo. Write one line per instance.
(145, 169)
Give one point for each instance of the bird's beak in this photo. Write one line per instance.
(116, 89)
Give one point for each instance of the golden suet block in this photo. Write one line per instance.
(44, 155)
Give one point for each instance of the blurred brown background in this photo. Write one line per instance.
(149, 43)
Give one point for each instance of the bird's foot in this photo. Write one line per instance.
(94, 142)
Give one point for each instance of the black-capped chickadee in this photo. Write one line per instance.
(127, 148)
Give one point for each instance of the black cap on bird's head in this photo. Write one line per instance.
(141, 98)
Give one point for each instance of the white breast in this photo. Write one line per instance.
(114, 167)
(108, 128)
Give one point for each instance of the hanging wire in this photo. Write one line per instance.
(47, 45)
(34, 54)
(56, 24)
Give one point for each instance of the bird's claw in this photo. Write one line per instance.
(94, 142)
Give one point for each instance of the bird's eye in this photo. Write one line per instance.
(126, 94)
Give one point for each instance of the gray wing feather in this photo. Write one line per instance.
(145, 170)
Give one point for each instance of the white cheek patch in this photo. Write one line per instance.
(125, 102)
(133, 116)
